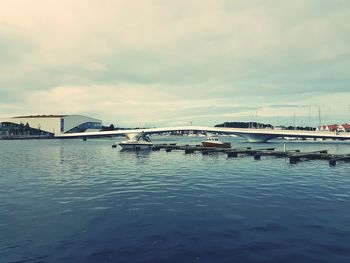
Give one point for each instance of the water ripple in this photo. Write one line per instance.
(75, 201)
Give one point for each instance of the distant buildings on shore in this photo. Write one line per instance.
(255, 125)
(334, 127)
(46, 125)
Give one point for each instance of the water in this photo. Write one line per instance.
(75, 201)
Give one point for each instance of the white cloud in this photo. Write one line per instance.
(126, 103)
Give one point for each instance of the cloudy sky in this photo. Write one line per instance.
(168, 62)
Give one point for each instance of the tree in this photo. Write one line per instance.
(27, 128)
(108, 128)
(21, 128)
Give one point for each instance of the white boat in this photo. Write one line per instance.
(214, 141)
(136, 142)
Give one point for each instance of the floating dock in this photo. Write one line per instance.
(294, 156)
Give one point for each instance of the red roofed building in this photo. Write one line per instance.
(344, 127)
(334, 127)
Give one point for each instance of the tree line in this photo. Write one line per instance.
(257, 125)
(11, 129)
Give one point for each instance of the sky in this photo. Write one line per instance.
(165, 62)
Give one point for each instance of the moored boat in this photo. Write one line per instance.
(137, 145)
(136, 142)
(215, 142)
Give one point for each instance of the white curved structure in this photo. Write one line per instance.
(56, 124)
(251, 135)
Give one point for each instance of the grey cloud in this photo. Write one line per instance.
(255, 54)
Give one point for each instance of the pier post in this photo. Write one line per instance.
(187, 151)
(294, 159)
(231, 154)
(257, 157)
(332, 162)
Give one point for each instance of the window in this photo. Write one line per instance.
(85, 126)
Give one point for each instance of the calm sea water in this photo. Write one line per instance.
(75, 201)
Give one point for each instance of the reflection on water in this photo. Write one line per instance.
(141, 156)
(75, 201)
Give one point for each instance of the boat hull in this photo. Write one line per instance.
(136, 146)
(217, 145)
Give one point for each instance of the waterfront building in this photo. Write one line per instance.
(334, 127)
(344, 127)
(47, 125)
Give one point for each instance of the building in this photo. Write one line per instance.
(334, 128)
(47, 125)
(344, 127)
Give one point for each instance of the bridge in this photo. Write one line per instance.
(251, 135)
